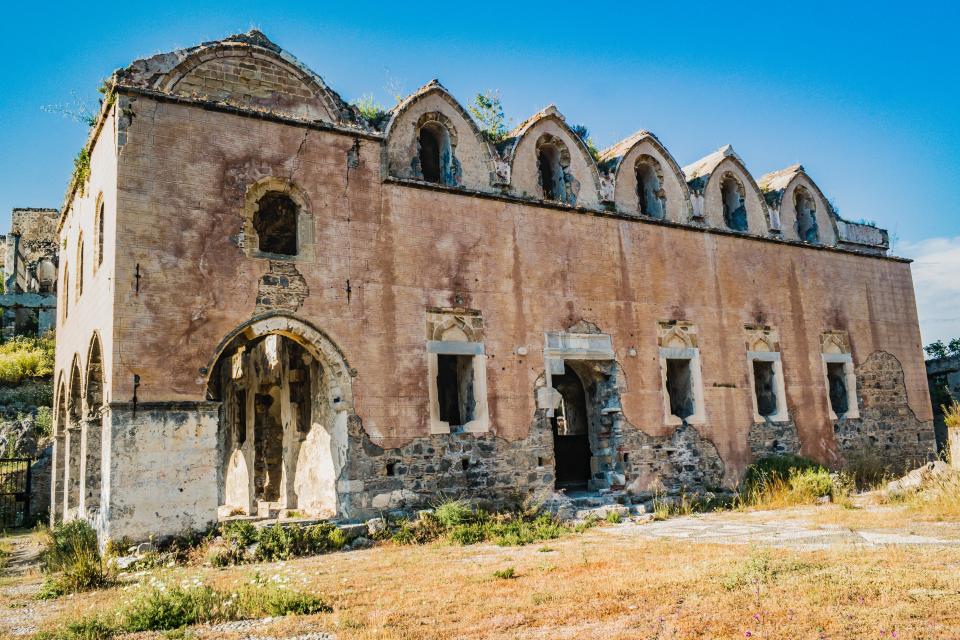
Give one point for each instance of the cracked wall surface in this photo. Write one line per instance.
(179, 283)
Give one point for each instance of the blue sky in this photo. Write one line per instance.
(865, 96)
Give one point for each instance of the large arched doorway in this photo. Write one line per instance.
(571, 432)
(91, 436)
(284, 394)
(72, 485)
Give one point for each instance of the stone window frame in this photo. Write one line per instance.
(78, 284)
(801, 192)
(438, 119)
(725, 177)
(763, 343)
(564, 160)
(306, 241)
(98, 212)
(834, 348)
(439, 322)
(782, 414)
(65, 289)
(668, 334)
(661, 194)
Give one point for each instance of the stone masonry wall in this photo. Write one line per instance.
(887, 425)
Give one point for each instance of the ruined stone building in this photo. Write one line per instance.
(269, 303)
(29, 255)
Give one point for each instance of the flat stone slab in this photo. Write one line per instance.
(766, 528)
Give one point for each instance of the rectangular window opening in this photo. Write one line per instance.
(839, 394)
(680, 387)
(765, 387)
(455, 389)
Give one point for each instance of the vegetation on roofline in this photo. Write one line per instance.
(373, 113)
(487, 109)
(584, 134)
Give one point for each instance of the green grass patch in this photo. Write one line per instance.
(160, 608)
(242, 542)
(457, 522)
(72, 560)
(23, 358)
(783, 481)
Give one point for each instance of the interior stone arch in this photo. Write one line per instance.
(285, 396)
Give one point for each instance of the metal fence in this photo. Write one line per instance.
(14, 492)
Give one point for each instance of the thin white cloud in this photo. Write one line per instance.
(936, 277)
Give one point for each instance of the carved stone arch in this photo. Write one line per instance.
(758, 219)
(315, 341)
(472, 164)
(206, 72)
(60, 404)
(440, 119)
(521, 155)
(761, 342)
(451, 324)
(826, 219)
(621, 159)
(94, 381)
(305, 228)
(75, 392)
(677, 337)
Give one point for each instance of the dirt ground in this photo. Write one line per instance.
(811, 572)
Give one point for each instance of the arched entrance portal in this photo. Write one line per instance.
(285, 398)
(571, 433)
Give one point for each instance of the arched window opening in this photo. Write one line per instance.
(66, 291)
(432, 152)
(650, 188)
(275, 222)
(551, 173)
(806, 216)
(734, 208)
(100, 235)
(46, 272)
(80, 266)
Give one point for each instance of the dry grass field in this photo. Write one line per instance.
(612, 581)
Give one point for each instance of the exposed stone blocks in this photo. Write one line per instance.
(176, 283)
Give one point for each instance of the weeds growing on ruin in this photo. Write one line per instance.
(457, 522)
(487, 109)
(375, 114)
(241, 542)
(784, 481)
(72, 560)
(163, 608)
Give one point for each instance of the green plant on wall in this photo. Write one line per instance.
(487, 110)
(81, 170)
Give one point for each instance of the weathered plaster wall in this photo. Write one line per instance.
(88, 313)
(161, 476)
(528, 269)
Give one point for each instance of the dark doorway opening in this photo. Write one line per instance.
(571, 433)
(455, 391)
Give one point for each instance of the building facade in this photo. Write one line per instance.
(271, 303)
(29, 254)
